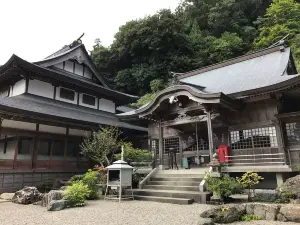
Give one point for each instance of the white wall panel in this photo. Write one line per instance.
(18, 124)
(41, 88)
(10, 150)
(19, 87)
(69, 66)
(107, 105)
(78, 69)
(88, 73)
(52, 129)
(77, 132)
(59, 65)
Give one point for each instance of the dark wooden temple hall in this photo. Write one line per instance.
(47, 108)
(248, 104)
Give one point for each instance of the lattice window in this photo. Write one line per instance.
(171, 143)
(293, 133)
(202, 145)
(154, 146)
(264, 137)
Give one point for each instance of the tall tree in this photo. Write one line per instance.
(281, 18)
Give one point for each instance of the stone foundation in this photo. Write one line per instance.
(13, 181)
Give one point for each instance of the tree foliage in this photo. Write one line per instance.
(197, 34)
(102, 144)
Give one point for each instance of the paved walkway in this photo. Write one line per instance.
(108, 213)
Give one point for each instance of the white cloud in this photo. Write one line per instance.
(33, 29)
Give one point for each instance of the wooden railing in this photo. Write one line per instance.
(256, 159)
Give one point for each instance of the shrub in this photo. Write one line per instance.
(76, 178)
(132, 154)
(91, 180)
(249, 179)
(286, 197)
(77, 193)
(223, 186)
(250, 217)
(45, 185)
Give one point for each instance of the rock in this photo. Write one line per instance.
(57, 205)
(292, 185)
(262, 195)
(281, 218)
(44, 201)
(54, 195)
(205, 221)
(63, 188)
(7, 196)
(291, 212)
(263, 211)
(225, 214)
(27, 195)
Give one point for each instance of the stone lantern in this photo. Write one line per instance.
(215, 166)
(119, 176)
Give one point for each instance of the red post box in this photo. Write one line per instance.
(223, 151)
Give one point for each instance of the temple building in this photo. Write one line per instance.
(248, 104)
(46, 110)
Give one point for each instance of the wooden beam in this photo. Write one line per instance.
(210, 134)
(161, 146)
(16, 154)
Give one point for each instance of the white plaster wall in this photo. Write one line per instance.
(77, 132)
(10, 150)
(18, 124)
(69, 66)
(10, 91)
(41, 88)
(107, 105)
(59, 65)
(86, 105)
(19, 87)
(88, 73)
(65, 100)
(78, 69)
(52, 129)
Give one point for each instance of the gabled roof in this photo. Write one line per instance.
(249, 72)
(75, 51)
(15, 62)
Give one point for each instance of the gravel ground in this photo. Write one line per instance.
(109, 213)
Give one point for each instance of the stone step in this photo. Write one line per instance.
(190, 179)
(166, 175)
(199, 197)
(180, 201)
(174, 183)
(170, 187)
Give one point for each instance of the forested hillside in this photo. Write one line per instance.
(145, 52)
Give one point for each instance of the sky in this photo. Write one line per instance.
(34, 29)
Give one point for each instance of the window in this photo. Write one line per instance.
(293, 133)
(25, 146)
(171, 144)
(44, 149)
(88, 99)
(58, 149)
(67, 94)
(254, 138)
(73, 149)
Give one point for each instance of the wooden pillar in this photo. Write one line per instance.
(16, 153)
(161, 145)
(180, 151)
(210, 134)
(66, 148)
(280, 141)
(35, 147)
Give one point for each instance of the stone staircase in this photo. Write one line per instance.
(173, 186)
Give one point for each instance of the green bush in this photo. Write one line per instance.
(77, 193)
(250, 217)
(76, 178)
(223, 186)
(249, 180)
(91, 180)
(286, 197)
(45, 185)
(132, 154)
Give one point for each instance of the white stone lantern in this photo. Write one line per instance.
(119, 176)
